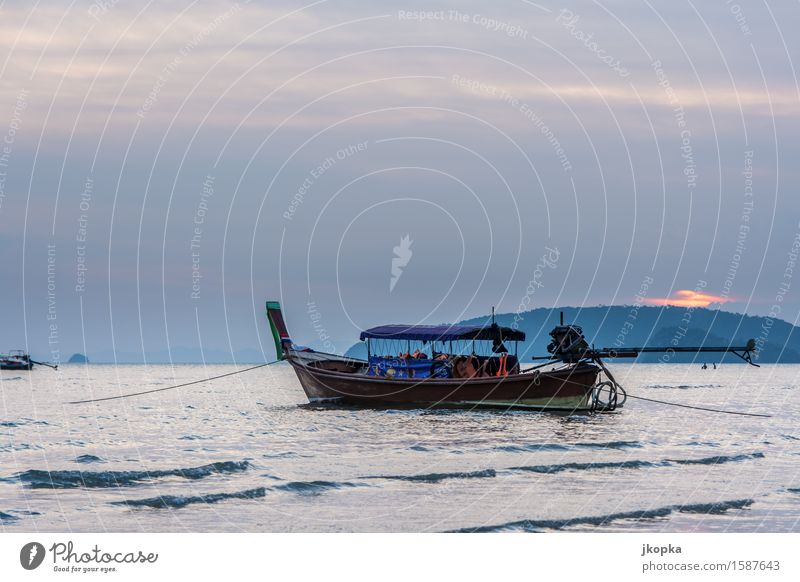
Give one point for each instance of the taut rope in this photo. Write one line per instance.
(172, 387)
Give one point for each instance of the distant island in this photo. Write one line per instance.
(638, 325)
(604, 326)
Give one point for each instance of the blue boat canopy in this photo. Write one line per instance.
(443, 333)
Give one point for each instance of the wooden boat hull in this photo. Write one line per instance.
(16, 366)
(568, 389)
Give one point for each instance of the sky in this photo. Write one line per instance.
(167, 167)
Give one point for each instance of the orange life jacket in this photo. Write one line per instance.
(502, 370)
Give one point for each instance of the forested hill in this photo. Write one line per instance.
(635, 326)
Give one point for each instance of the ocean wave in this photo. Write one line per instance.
(536, 447)
(574, 466)
(178, 501)
(633, 464)
(88, 459)
(711, 444)
(610, 445)
(284, 455)
(528, 525)
(714, 508)
(315, 487)
(601, 520)
(718, 459)
(39, 479)
(21, 422)
(437, 477)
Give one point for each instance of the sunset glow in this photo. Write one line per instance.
(687, 298)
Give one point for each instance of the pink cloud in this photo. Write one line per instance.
(687, 298)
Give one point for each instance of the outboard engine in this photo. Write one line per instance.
(568, 343)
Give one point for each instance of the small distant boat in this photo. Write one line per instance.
(16, 360)
(457, 366)
(19, 360)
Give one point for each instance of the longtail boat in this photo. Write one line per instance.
(456, 366)
(19, 360)
(16, 360)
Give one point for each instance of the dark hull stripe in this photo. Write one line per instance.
(568, 389)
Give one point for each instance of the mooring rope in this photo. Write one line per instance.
(176, 386)
(54, 366)
(276, 361)
(614, 381)
(702, 407)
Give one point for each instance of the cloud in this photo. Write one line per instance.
(687, 298)
(91, 65)
(514, 122)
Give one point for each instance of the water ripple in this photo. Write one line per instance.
(21, 422)
(601, 520)
(535, 447)
(718, 459)
(38, 479)
(315, 487)
(178, 501)
(84, 459)
(436, 477)
(633, 464)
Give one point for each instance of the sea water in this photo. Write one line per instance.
(247, 453)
